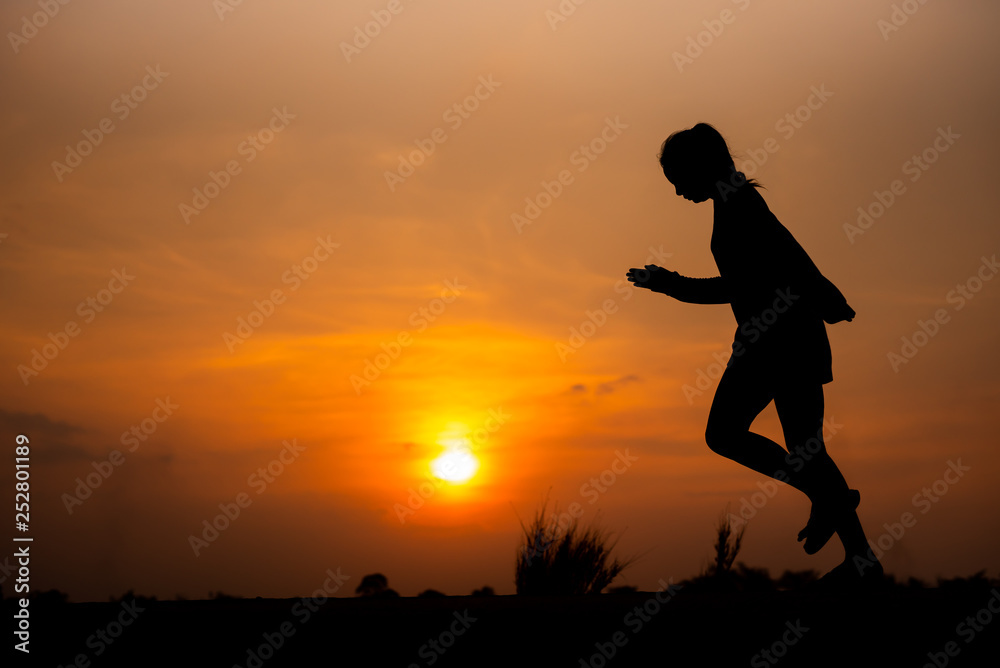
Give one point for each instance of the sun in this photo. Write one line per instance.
(456, 464)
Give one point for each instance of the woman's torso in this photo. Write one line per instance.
(760, 260)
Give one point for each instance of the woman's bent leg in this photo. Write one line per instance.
(739, 399)
(800, 410)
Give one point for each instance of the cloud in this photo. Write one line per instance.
(611, 386)
(52, 435)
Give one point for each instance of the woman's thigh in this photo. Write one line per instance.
(742, 394)
(800, 408)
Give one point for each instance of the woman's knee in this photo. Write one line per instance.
(739, 398)
(811, 449)
(721, 438)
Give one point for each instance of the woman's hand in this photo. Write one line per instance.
(653, 278)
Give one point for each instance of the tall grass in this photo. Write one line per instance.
(554, 559)
(727, 545)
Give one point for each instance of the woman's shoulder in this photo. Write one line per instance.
(741, 201)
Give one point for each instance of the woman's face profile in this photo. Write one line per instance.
(687, 188)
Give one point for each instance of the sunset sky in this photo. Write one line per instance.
(262, 238)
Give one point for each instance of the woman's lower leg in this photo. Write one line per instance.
(761, 454)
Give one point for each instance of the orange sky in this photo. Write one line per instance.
(300, 132)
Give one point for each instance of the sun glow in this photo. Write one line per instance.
(456, 464)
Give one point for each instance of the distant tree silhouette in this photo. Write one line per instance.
(795, 580)
(372, 584)
(430, 593)
(49, 597)
(974, 581)
(221, 596)
(485, 591)
(739, 578)
(130, 595)
(375, 584)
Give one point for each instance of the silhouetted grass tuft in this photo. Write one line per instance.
(564, 560)
(727, 545)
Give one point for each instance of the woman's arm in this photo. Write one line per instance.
(713, 290)
(821, 295)
(830, 303)
(764, 255)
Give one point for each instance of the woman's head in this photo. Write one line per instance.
(697, 160)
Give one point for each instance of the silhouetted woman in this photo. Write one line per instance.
(781, 351)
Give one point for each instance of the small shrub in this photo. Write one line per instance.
(557, 560)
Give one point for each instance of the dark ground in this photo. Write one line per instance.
(898, 627)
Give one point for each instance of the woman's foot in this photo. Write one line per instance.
(823, 520)
(849, 575)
